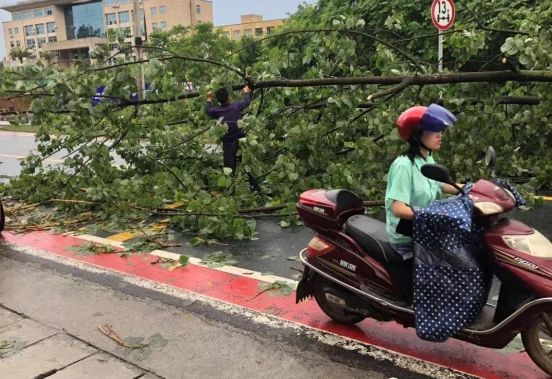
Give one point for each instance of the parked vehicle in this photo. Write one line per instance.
(353, 273)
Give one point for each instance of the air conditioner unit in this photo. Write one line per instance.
(115, 5)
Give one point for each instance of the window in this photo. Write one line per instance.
(162, 9)
(51, 27)
(52, 39)
(269, 29)
(226, 34)
(30, 44)
(126, 32)
(236, 34)
(49, 11)
(248, 32)
(110, 18)
(124, 17)
(40, 29)
(16, 30)
(41, 42)
(12, 44)
(258, 31)
(29, 30)
(198, 9)
(18, 43)
(16, 16)
(10, 31)
(87, 20)
(154, 11)
(26, 15)
(155, 26)
(163, 25)
(123, 1)
(38, 12)
(108, 3)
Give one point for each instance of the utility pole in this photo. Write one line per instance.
(139, 53)
(193, 15)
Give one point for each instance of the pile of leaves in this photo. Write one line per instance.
(327, 89)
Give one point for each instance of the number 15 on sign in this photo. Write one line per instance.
(443, 13)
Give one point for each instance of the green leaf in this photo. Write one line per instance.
(222, 181)
(284, 224)
(183, 260)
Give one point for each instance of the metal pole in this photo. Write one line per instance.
(138, 44)
(440, 51)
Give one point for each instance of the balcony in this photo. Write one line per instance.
(74, 44)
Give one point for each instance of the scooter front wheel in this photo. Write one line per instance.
(537, 339)
(328, 297)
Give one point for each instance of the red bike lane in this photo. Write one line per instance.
(245, 292)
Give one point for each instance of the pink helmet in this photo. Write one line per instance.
(434, 118)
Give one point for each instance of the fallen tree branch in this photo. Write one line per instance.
(109, 332)
(393, 90)
(522, 76)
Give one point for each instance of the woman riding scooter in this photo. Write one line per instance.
(407, 188)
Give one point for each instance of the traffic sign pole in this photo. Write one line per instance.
(440, 52)
(443, 13)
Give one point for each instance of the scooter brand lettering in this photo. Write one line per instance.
(525, 263)
(348, 265)
(319, 210)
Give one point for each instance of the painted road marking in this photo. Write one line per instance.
(246, 294)
(15, 134)
(21, 157)
(196, 261)
(122, 237)
(544, 198)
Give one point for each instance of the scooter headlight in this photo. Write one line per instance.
(535, 244)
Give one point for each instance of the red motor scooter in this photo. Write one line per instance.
(353, 273)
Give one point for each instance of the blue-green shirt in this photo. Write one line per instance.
(405, 183)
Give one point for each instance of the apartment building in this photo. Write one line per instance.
(69, 29)
(251, 25)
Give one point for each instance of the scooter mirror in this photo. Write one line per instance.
(437, 172)
(490, 160)
(490, 157)
(441, 174)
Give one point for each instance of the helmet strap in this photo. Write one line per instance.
(425, 147)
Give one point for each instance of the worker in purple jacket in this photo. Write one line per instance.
(230, 113)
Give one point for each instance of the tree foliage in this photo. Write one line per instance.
(134, 157)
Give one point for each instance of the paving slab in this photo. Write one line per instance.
(21, 334)
(51, 354)
(8, 317)
(99, 366)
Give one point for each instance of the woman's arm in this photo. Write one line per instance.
(402, 210)
(447, 188)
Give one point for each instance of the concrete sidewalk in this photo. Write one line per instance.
(31, 349)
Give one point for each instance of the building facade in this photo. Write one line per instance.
(66, 30)
(251, 25)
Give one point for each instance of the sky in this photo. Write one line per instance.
(224, 11)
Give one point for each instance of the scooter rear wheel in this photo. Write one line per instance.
(537, 339)
(321, 289)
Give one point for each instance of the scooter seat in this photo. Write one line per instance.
(372, 237)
